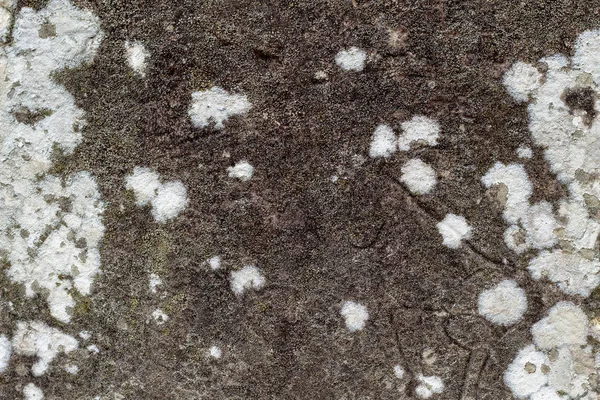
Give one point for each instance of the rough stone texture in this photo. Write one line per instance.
(318, 242)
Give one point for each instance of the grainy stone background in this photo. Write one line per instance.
(318, 243)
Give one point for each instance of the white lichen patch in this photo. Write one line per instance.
(85, 335)
(242, 170)
(524, 152)
(246, 278)
(383, 142)
(355, 315)
(521, 80)
(50, 227)
(72, 369)
(418, 176)
(38, 339)
(398, 371)
(569, 137)
(216, 105)
(454, 229)
(136, 55)
(566, 324)
(352, 59)
(525, 375)
(168, 199)
(429, 386)
(5, 352)
(504, 304)
(214, 262)
(32, 392)
(215, 352)
(559, 361)
(153, 282)
(159, 316)
(92, 348)
(419, 129)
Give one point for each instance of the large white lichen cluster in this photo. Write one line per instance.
(50, 226)
(561, 238)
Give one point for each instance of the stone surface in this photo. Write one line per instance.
(256, 143)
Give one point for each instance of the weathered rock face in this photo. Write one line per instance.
(299, 200)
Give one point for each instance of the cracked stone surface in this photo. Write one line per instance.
(340, 199)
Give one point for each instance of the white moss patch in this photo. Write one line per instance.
(32, 392)
(454, 229)
(429, 386)
(38, 339)
(355, 315)
(216, 105)
(383, 142)
(418, 176)
(352, 59)
(419, 129)
(85, 335)
(521, 80)
(5, 352)
(246, 278)
(504, 304)
(50, 248)
(242, 170)
(168, 199)
(136, 55)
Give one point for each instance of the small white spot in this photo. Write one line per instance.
(85, 335)
(399, 371)
(216, 105)
(5, 351)
(145, 183)
(418, 176)
(136, 55)
(72, 369)
(428, 386)
(454, 229)
(524, 152)
(32, 392)
(352, 59)
(334, 178)
(215, 352)
(154, 281)
(418, 129)
(521, 80)
(170, 200)
(504, 304)
(355, 315)
(92, 348)
(566, 324)
(246, 278)
(159, 316)
(242, 170)
(214, 262)
(383, 142)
